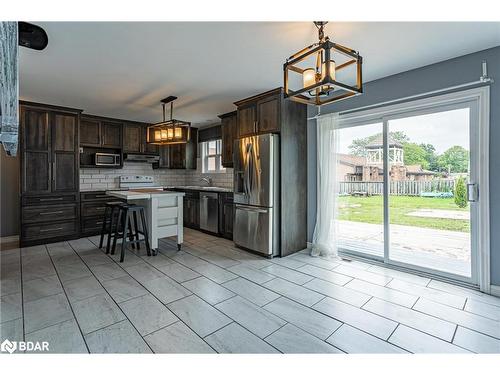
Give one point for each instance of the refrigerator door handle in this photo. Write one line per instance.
(252, 209)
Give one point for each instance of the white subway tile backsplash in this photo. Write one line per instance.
(101, 178)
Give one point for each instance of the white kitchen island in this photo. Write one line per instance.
(163, 212)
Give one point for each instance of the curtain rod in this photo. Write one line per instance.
(484, 80)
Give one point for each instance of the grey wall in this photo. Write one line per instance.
(428, 78)
(9, 194)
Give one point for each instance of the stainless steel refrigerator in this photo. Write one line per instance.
(256, 194)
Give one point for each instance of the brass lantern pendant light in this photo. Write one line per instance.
(169, 132)
(323, 72)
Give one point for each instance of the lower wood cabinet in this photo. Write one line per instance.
(40, 232)
(92, 206)
(191, 209)
(226, 215)
(49, 218)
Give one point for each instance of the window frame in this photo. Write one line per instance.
(206, 156)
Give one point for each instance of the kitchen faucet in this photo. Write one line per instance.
(208, 180)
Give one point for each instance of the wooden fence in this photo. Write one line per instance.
(397, 187)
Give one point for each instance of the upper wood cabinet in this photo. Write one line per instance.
(247, 118)
(100, 132)
(268, 114)
(36, 150)
(132, 138)
(65, 174)
(49, 150)
(135, 140)
(259, 114)
(90, 132)
(180, 156)
(148, 148)
(111, 134)
(228, 129)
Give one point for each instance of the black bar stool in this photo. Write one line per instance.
(110, 212)
(127, 213)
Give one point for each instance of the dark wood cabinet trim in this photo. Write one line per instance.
(276, 91)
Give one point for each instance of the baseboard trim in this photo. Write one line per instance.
(309, 245)
(495, 290)
(9, 239)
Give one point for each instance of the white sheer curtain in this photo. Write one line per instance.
(324, 238)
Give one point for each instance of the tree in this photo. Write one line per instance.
(454, 160)
(399, 137)
(431, 157)
(415, 154)
(460, 193)
(358, 146)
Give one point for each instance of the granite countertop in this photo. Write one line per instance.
(215, 189)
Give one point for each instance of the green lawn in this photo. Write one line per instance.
(370, 210)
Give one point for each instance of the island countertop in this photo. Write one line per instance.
(142, 194)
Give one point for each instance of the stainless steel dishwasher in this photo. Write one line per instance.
(209, 212)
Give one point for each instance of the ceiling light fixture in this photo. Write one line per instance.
(169, 132)
(318, 66)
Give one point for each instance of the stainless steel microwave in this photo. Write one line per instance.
(107, 160)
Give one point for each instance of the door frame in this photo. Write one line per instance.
(479, 100)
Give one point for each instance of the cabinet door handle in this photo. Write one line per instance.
(51, 213)
(54, 172)
(51, 230)
(51, 199)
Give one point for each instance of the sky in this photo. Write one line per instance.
(442, 129)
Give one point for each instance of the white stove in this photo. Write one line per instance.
(134, 182)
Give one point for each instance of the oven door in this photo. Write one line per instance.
(109, 160)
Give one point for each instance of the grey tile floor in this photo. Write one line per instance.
(212, 297)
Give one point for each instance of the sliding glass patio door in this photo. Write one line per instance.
(430, 214)
(360, 209)
(408, 193)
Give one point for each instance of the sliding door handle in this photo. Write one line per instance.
(472, 192)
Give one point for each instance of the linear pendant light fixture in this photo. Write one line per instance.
(322, 71)
(169, 132)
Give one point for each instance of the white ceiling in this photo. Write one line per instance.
(123, 69)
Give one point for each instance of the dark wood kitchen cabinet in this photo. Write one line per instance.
(272, 113)
(92, 205)
(228, 130)
(180, 156)
(135, 140)
(111, 134)
(90, 132)
(49, 173)
(259, 114)
(132, 138)
(148, 148)
(99, 132)
(246, 120)
(191, 209)
(226, 215)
